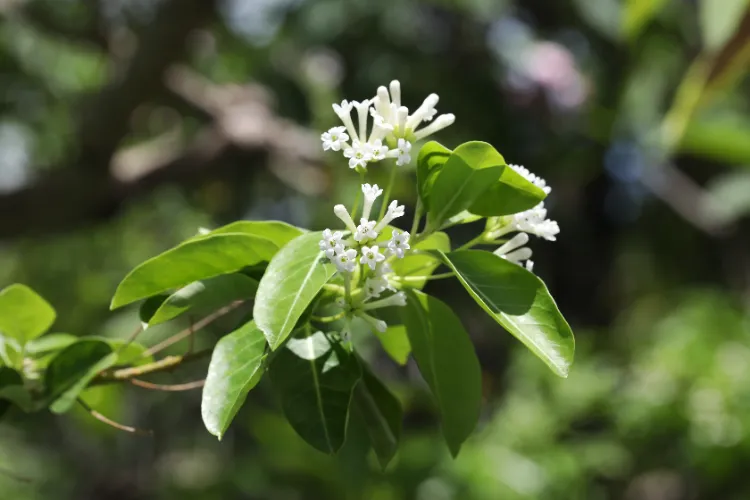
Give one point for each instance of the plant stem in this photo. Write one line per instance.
(112, 423)
(431, 277)
(388, 188)
(162, 365)
(359, 195)
(472, 243)
(417, 217)
(192, 329)
(328, 319)
(189, 386)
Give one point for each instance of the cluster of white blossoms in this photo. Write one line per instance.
(392, 132)
(363, 249)
(533, 221)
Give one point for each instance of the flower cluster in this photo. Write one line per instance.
(392, 132)
(364, 258)
(533, 221)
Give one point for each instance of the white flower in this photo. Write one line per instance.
(371, 194)
(371, 256)
(376, 324)
(334, 139)
(362, 112)
(331, 243)
(375, 286)
(440, 123)
(399, 243)
(534, 179)
(344, 111)
(359, 154)
(396, 300)
(535, 221)
(342, 213)
(378, 150)
(394, 211)
(514, 250)
(403, 152)
(346, 260)
(365, 231)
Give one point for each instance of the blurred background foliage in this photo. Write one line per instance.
(126, 125)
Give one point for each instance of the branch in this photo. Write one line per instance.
(165, 364)
(112, 423)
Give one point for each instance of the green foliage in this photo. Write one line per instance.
(315, 380)
(24, 315)
(194, 260)
(236, 367)
(292, 281)
(448, 363)
(519, 301)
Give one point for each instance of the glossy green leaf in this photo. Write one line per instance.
(315, 390)
(395, 341)
(8, 378)
(414, 265)
(50, 342)
(73, 368)
(469, 171)
(201, 296)
(519, 301)
(294, 277)
(24, 315)
(511, 194)
(432, 157)
(236, 367)
(446, 358)
(381, 413)
(280, 233)
(194, 260)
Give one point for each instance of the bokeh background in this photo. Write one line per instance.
(126, 125)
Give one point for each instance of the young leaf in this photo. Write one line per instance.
(432, 157)
(236, 367)
(73, 368)
(315, 390)
(193, 260)
(396, 343)
(381, 413)
(204, 295)
(448, 363)
(294, 277)
(50, 342)
(415, 264)
(24, 315)
(511, 194)
(469, 171)
(280, 233)
(519, 301)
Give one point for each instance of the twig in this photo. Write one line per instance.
(112, 423)
(189, 386)
(164, 364)
(13, 475)
(189, 331)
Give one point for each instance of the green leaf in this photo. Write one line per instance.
(294, 277)
(432, 157)
(519, 301)
(8, 378)
(73, 368)
(637, 15)
(414, 264)
(236, 367)
(469, 171)
(50, 342)
(204, 295)
(193, 260)
(315, 390)
(719, 20)
(448, 363)
(381, 413)
(510, 195)
(24, 315)
(396, 343)
(280, 233)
